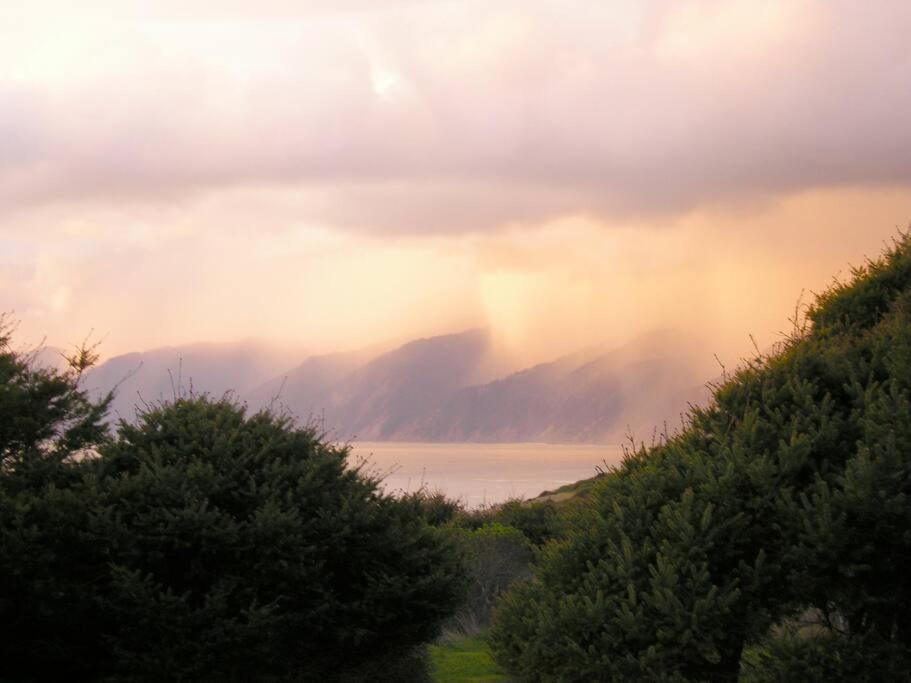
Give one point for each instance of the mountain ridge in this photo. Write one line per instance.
(456, 387)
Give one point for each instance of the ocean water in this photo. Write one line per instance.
(479, 474)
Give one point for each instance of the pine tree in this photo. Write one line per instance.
(200, 543)
(49, 427)
(785, 499)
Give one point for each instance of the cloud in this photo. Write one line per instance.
(454, 117)
(242, 264)
(331, 175)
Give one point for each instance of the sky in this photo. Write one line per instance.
(327, 175)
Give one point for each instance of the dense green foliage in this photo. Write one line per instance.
(496, 544)
(539, 522)
(200, 543)
(45, 417)
(257, 538)
(48, 426)
(785, 500)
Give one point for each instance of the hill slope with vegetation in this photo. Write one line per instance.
(767, 540)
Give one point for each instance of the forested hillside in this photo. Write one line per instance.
(768, 540)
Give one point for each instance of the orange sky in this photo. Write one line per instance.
(328, 175)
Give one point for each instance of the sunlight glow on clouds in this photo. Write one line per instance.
(729, 29)
(325, 174)
(648, 106)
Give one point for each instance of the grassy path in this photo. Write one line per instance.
(464, 661)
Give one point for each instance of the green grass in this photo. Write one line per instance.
(464, 661)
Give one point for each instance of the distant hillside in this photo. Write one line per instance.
(454, 387)
(383, 396)
(588, 397)
(387, 397)
(306, 389)
(155, 375)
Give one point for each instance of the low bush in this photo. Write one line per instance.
(539, 522)
(201, 543)
(495, 556)
(824, 655)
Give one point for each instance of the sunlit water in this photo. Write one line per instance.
(480, 474)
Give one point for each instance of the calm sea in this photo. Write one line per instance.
(480, 474)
